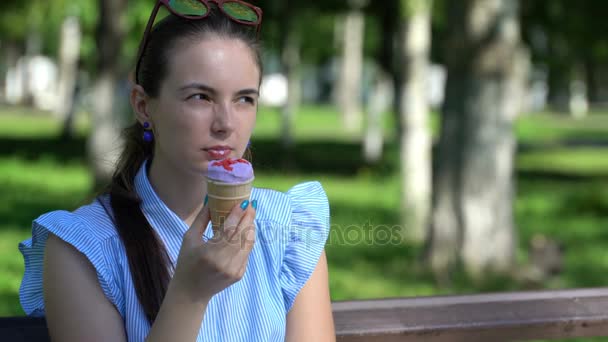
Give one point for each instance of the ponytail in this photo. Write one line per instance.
(147, 255)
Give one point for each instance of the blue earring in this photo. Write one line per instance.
(148, 136)
(249, 144)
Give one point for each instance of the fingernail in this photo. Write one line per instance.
(245, 204)
(254, 204)
(206, 199)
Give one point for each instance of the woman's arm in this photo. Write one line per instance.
(310, 318)
(69, 281)
(78, 310)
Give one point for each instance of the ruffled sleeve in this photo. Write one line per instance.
(95, 246)
(307, 234)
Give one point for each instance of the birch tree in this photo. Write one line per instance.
(69, 54)
(351, 67)
(380, 100)
(415, 138)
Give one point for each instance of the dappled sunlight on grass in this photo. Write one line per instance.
(19, 122)
(575, 161)
(45, 174)
(549, 127)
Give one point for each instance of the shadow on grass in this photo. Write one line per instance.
(592, 275)
(9, 304)
(337, 158)
(326, 157)
(32, 149)
(341, 158)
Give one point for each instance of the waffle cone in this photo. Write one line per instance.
(223, 197)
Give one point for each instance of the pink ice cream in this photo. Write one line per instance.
(230, 170)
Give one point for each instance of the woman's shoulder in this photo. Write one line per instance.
(93, 220)
(302, 213)
(89, 230)
(280, 207)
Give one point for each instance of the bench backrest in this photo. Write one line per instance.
(486, 317)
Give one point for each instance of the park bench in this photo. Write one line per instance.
(482, 317)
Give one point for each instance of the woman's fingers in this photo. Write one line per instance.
(230, 248)
(245, 235)
(241, 243)
(198, 227)
(235, 216)
(238, 233)
(231, 223)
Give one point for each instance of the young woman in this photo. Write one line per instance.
(141, 262)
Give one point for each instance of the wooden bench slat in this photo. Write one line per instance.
(495, 317)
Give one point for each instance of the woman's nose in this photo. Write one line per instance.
(222, 119)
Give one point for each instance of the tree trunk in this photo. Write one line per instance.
(33, 48)
(559, 69)
(351, 70)
(591, 78)
(104, 144)
(291, 64)
(11, 58)
(384, 89)
(388, 58)
(380, 100)
(69, 53)
(472, 219)
(578, 102)
(415, 138)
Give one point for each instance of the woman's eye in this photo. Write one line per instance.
(246, 99)
(199, 96)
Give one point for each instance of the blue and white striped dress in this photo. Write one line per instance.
(292, 229)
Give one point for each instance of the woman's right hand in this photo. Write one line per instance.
(206, 268)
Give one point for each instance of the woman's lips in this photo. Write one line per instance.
(218, 153)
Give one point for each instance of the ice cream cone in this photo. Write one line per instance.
(223, 197)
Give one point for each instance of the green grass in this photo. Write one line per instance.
(562, 193)
(312, 123)
(548, 127)
(587, 161)
(22, 122)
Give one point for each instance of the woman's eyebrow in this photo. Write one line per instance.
(212, 91)
(198, 86)
(250, 91)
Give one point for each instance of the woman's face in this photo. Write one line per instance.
(206, 108)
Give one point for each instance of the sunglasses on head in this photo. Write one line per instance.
(236, 10)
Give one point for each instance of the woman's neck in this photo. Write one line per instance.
(182, 192)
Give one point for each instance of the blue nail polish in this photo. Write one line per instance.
(245, 204)
(206, 199)
(254, 204)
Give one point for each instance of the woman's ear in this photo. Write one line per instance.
(140, 102)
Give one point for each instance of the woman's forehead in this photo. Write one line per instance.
(218, 62)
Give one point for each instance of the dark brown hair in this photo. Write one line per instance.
(148, 259)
